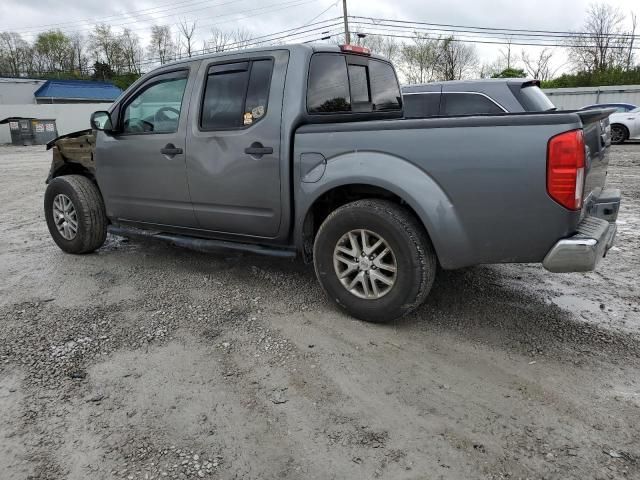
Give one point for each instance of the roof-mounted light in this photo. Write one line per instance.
(355, 49)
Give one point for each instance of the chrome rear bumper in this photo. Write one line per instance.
(582, 251)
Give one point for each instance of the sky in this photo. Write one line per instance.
(268, 16)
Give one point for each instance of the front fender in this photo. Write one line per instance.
(403, 179)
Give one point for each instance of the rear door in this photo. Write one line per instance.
(233, 144)
(141, 168)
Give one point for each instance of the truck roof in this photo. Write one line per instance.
(305, 48)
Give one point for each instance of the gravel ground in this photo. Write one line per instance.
(146, 361)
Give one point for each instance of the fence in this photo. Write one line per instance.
(69, 117)
(574, 98)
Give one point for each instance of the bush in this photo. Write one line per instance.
(614, 76)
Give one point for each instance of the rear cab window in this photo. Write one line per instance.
(342, 84)
(532, 98)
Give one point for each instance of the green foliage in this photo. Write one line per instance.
(124, 80)
(612, 76)
(510, 73)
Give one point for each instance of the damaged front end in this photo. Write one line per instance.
(73, 154)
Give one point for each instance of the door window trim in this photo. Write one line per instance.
(143, 86)
(223, 65)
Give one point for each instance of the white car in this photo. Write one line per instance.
(625, 125)
(625, 122)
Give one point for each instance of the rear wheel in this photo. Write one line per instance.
(75, 214)
(619, 134)
(374, 259)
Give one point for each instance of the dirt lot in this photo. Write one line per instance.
(146, 361)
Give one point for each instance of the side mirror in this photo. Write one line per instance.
(101, 121)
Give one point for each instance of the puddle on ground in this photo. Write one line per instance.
(576, 304)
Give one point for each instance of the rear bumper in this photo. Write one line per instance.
(595, 236)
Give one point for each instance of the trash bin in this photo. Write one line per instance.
(31, 131)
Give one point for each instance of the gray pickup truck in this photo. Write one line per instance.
(303, 150)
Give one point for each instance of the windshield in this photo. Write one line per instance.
(534, 100)
(636, 110)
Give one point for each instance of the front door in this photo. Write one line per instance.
(141, 169)
(233, 144)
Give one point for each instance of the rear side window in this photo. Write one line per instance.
(421, 105)
(328, 88)
(236, 95)
(344, 84)
(384, 87)
(467, 104)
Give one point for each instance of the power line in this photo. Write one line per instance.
(462, 40)
(488, 34)
(322, 13)
(370, 29)
(262, 9)
(260, 40)
(373, 19)
(128, 14)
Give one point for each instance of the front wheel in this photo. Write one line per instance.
(374, 259)
(75, 214)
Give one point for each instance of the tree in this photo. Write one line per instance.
(218, 41)
(388, 47)
(539, 67)
(54, 52)
(186, 32)
(634, 21)
(510, 73)
(161, 46)
(78, 57)
(241, 38)
(603, 43)
(105, 46)
(102, 71)
(132, 51)
(419, 60)
(15, 54)
(457, 60)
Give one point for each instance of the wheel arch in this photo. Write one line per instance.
(390, 178)
(624, 127)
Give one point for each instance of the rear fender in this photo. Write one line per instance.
(401, 178)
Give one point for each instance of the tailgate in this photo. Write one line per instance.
(597, 139)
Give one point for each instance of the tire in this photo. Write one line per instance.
(411, 251)
(89, 217)
(619, 134)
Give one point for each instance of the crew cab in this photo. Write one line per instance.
(303, 150)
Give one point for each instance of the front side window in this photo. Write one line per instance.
(467, 104)
(236, 95)
(156, 108)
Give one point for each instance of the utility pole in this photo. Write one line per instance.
(347, 36)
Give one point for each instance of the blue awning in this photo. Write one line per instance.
(78, 90)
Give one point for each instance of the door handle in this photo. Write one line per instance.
(170, 150)
(257, 150)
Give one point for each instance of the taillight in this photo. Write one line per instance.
(565, 169)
